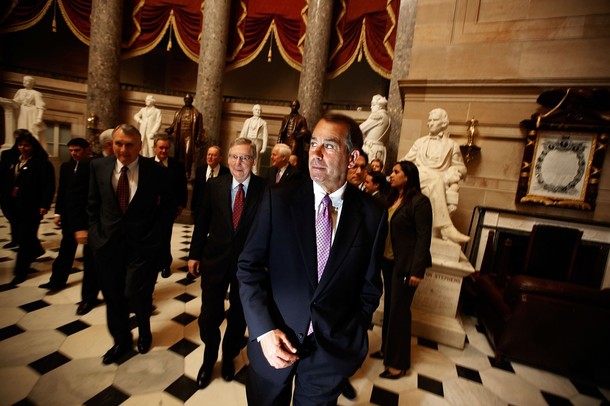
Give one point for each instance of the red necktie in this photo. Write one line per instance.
(122, 189)
(278, 176)
(238, 206)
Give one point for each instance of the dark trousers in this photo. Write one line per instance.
(213, 291)
(397, 348)
(387, 266)
(315, 383)
(29, 245)
(62, 266)
(90, 288)
(127, 279)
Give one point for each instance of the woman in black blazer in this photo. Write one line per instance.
(407, 254)
(31, 180)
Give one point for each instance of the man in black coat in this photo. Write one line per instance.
(129, 212)
(228, 209)
(212, 169)
(177, 176)
(281, 171)
(308, 298)
(71, 177)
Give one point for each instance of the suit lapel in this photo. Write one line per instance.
(251, 197)
(224, 201)
(303, 220)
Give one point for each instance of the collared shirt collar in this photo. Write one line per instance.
(336, 197)
(235, 183)
(131, 166)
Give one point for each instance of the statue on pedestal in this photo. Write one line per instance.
(292, 125)
(31, 109)
(187, 129)
(441, 167)
(255, 129)
(376, 128)
(149, 119)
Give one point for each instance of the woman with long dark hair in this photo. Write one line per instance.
(407, 255)
(31, 181)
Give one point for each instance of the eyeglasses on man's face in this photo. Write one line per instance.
(242, 158)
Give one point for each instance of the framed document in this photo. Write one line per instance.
(562, 160)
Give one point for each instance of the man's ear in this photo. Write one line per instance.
(352, 158)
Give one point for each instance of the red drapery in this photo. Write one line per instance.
(360, 27)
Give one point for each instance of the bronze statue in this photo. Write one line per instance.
(292, 125)
(187, 129)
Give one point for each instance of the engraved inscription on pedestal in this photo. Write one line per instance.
(438, 292)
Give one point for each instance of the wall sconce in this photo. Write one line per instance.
(469, 150)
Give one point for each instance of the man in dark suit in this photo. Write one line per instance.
(70, 179)
(309, 276)
(177, 176)
(219, 236)
(129, 203)
(281, 170)
(212, 169)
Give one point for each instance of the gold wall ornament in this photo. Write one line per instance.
(469, 150)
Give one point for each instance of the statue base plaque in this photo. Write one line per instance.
(436, 300)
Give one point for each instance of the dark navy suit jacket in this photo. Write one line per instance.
(277, 273)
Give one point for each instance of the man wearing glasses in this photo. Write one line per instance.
(227, 211)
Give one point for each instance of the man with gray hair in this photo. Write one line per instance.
(226, 214)
(281, 170)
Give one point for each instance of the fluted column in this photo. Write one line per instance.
(315, 60)
(103, 83)
(400, 71)
(214, 33)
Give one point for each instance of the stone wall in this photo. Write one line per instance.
(490, 60)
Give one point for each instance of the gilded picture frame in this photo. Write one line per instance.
(561, 167)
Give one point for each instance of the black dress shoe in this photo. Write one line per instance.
(18, 279)
(166, 273)
(204, 377)
(376, 355)
(388, 375)
(227, 369)
(85, 307)
(11, 244)
(144, 343)
(52, 287)
(349, 391)
(116, 352)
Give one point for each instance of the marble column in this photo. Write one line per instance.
(212, 55)
(315, 60)
(103, 77)
(400, 71)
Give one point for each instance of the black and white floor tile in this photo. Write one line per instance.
(51, 356)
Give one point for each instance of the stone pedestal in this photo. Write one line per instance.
(10, 121)
(435, 304)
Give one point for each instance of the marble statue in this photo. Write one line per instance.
(149, 119)
(187, 129)
(441, 167)
(376, 129)
(292, 126)
(255, 129)
(31, 109)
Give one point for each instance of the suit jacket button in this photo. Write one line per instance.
(301, 336)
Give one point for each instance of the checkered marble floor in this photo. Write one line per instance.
(51, 356)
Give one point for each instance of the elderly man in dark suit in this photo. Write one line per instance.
(281, 170)
(228, 209)
(212, 169)
(129, 203)
(309, 276)
(177, 175)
